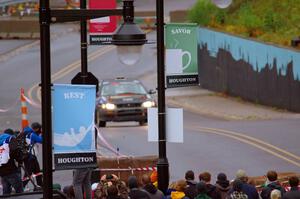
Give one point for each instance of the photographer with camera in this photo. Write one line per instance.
(10, 173)
(33, 137)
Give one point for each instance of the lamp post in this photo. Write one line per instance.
(162, 164)
(48, 16)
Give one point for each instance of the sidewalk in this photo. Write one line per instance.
(205, 102)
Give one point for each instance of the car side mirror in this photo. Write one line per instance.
(152, 91)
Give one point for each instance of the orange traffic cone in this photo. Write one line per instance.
(24, 110)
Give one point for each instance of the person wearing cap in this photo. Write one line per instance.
(247, 188)
(31, 163)
(10, 173)
(191, 190)
(271, 184)
(223, 185)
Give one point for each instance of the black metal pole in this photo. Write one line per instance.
(162, 164)
(83, 34)
(46, 97)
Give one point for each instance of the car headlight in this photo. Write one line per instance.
(108, 106)
(148, 104)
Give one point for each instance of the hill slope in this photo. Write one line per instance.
(276, 21)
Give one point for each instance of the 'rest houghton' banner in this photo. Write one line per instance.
(73, 109)
(181, 55)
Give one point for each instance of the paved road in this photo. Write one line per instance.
(224, 147)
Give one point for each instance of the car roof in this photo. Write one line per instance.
(121, 80)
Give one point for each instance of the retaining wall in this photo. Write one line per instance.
(259, 72)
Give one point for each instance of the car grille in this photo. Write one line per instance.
(129, 105)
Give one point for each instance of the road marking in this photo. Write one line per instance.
(250, 141)
(67, 69)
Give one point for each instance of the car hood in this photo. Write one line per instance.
(120, 99)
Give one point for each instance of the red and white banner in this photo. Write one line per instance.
(101, 29)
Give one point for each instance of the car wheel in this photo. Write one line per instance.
(102, 123)
(143, 122)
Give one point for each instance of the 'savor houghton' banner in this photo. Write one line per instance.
(181, 55)
(73, 126)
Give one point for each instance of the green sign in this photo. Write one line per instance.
(181, 54)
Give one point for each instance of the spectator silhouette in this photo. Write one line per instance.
(247, 188)
(223, 185)
(294, 193)
(179, 193)
(150, 189)
(201, 190)
(211, 189)
(275, 194)
(134, 191)
(191, 190)
(238, 193)
(271, 184)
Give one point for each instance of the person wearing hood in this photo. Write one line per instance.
(150, 189)
(202, 192)
(191, 189)
(222, 185)
(211, 189)
(31, 163)
(271, 184)
(179, 193)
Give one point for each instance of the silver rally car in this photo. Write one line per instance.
(121, 100)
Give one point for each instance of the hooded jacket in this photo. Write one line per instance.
(153, 192)
(266, 192)
(213, 192)
(178, 195)
(191, 190)
(223, 188)
(202, 196)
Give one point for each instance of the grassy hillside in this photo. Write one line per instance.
(275, 21)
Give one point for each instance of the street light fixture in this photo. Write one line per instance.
(129, 38)
(48, 16)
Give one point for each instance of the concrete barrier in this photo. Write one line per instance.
(178, 16)
(14, 27)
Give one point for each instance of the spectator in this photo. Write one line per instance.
(271, 184)
(201, 189)
(247, 188)
(211, 189)
(153, 178)
(294, 193)
(82, 183)
(191, 190)
(179, 193)
(105, 182)
(10, 173)
(171, 188)
(222, 185)
(275, 194)
(151, 190)
(112, 192)
(135, 192)
(238, 193)
(31, 163)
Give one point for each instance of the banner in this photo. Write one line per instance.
(73, 109)
(101, 29)
(181, 54)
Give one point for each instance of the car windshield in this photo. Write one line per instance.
(122, 88)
